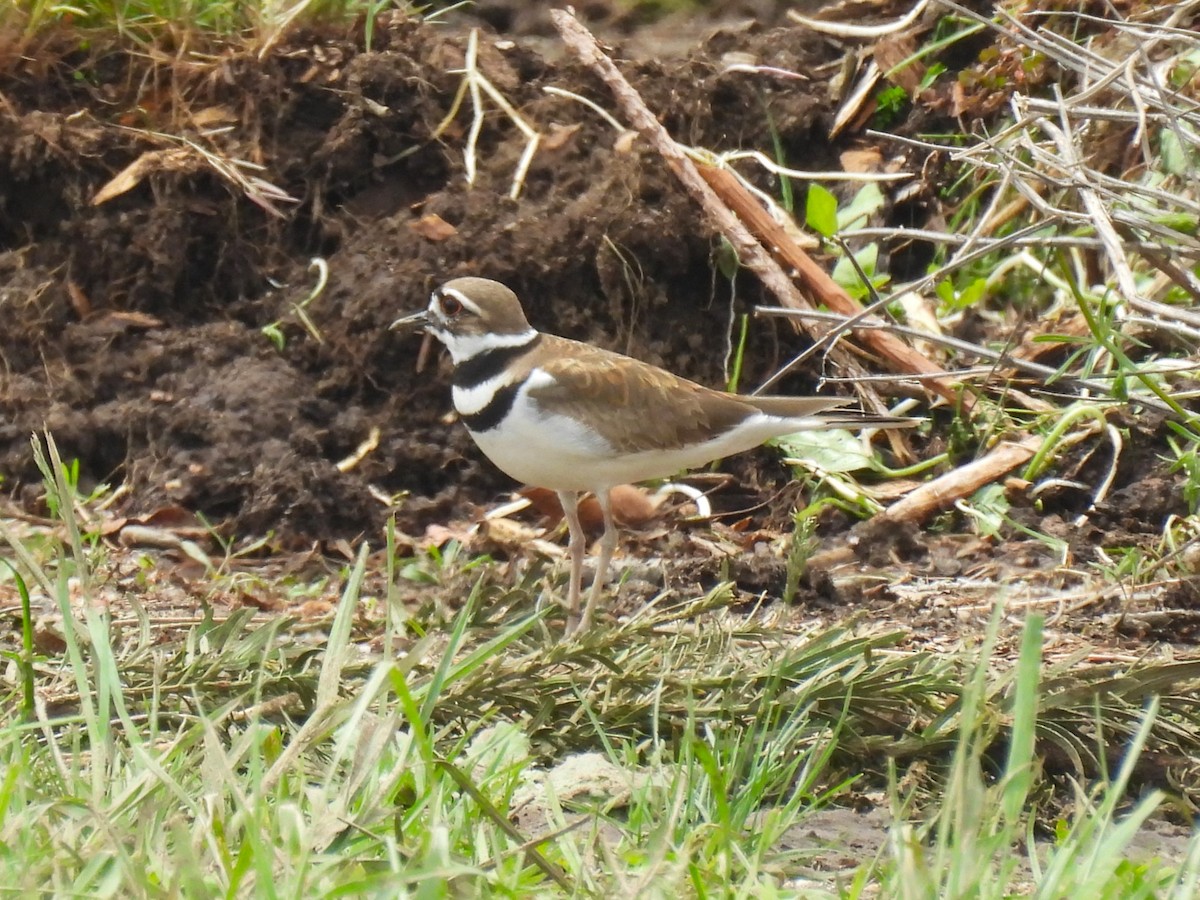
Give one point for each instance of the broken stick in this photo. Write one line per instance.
(941, 493)
(899, 355)
(750, 251)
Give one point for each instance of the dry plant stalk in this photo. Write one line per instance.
(829, 293)
(742, 220)
(750, 252)
(936, 495)
(235, 171)
(869, 32)
(475, 85)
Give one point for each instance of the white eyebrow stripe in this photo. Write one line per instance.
(460, 297)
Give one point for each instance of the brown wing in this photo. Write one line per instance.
(634, 405)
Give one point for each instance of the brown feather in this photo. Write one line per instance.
(794, 407)
(636, 406)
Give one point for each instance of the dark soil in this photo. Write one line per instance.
(191, 404)
(133, 326)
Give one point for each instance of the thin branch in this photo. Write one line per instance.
(749, 251)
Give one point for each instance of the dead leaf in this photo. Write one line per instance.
(120, 321)
(315, 609)
(857, 161)
(748, 539)
(342, 546)
(632, 507)
(893, 489)
(178, 518)
(544, 501)
(437, 535)
(175, 519)
(286, 704)
(559, 136)
(131, 176)
(508, 534)
(891, 52)
(590, 516)
(48, 639)
(79, 300)
(214, 115)
(920, 313)
(624, 141)
(433, 227)
(715, 547)
(856, 107)
(958, 99)
(109, 527)
(261, 601)
(147, 536)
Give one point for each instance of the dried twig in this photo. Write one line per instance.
(475, 84)
(936, 495)
(750, 252)
(236, 171)
(1001, 358)
(846, 30)
(817, 281)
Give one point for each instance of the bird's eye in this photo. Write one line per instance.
(451, 306)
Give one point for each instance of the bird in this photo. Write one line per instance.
(572, 417)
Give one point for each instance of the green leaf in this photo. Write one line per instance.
(847, 276)
(274, 335)
(989, 506)
(1175, 157)
(1183, 222)
(945, 291)
(1020, 768)
(836, 450)
(930, 77)
(866, 202)
(727, 258)
(889, 102)
(956, 300)
(821, 211)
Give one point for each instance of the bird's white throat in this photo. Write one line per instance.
(464, 347)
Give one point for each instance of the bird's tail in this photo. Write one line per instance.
(851, 418)
(825, 412)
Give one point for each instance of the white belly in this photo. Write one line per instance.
(558, 453)
(553, 452)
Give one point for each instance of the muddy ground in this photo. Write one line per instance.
(158, 212)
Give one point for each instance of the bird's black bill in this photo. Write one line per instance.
(411, 323)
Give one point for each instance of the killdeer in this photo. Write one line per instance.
(563, 415)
